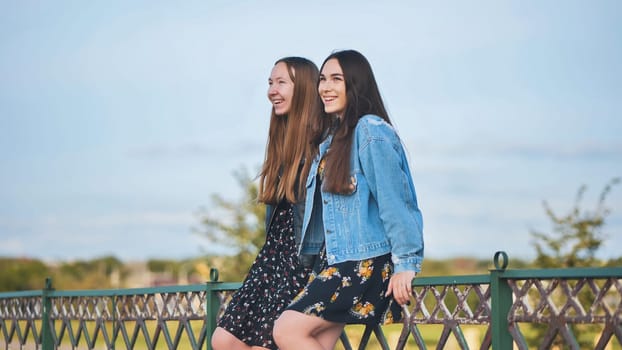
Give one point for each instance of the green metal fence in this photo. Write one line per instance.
(522, 309)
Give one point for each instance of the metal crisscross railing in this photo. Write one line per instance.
(565, 305)
(165, 317)
(471, 298)
(109, 316)
(562, 307)
(18, 315)
(520, 309)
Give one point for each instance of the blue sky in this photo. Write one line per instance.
(119, 120)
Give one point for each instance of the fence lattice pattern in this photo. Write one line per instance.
(514, 308)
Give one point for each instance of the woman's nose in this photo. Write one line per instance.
(323, 86)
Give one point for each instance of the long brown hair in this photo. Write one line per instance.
(362, 97)
(292, 139)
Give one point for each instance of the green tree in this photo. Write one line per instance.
(22, 274)
(576, 236)
(236, 226)
(574, 242)
(88, 274)
(162, 265)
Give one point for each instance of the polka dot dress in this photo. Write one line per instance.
(274, 279)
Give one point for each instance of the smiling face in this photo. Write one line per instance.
(280, 89)
(332, 88)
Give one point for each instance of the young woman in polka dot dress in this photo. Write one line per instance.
(278, 274)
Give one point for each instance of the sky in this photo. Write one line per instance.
(119, 121)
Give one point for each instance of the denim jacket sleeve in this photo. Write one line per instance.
(269, 212)
(385, 167)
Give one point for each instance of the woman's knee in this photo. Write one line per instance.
(278, 331)
(283, 328)
(222, 339)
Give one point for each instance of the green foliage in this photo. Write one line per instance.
(576, 236)
(574, 242)
(30, 274)
(159, 266)
(87, 274)
(22, 274)
(235, 225)
(109, 264)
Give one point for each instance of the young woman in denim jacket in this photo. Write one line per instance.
(361, 216)
(277, 275)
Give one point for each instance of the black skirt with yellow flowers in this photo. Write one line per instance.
(351, 292)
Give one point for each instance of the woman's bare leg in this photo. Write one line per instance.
(224, 340)
(295, 330)
(329, 337)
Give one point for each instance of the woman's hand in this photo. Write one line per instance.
(400, 285)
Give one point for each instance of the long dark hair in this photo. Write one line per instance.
(292, 139)
(362, 97)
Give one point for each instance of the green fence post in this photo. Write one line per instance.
(501, 302)
(212, 306)
(47, 341)
(114, 322)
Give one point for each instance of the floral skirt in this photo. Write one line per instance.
(274, 279)
(351, 292)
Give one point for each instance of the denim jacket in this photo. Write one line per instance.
(381, 216)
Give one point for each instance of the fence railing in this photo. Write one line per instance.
(575, 308)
